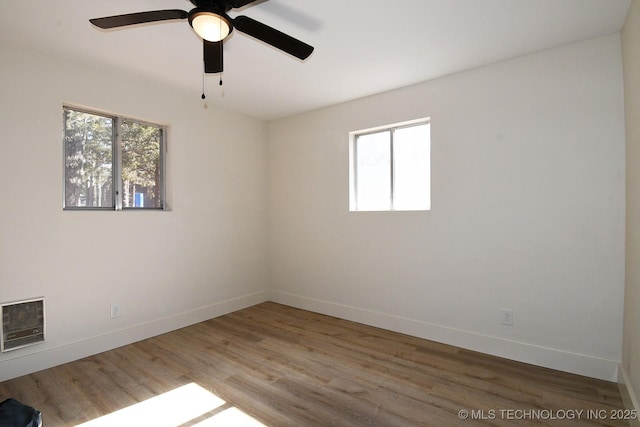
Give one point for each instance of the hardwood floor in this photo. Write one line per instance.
(283, 366)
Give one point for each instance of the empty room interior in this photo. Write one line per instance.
(267, 266)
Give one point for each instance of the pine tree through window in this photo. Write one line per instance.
(112, 162)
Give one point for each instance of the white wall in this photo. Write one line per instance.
(204, 257)
(631, 348)
(528, 212)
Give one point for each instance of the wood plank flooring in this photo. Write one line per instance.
(283, 366)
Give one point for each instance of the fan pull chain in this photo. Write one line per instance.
(203, 96)
(205, 106)
(221, 39)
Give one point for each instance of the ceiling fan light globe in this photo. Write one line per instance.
(210, 26)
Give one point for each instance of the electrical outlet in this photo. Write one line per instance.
(115, 311)
(507, 316)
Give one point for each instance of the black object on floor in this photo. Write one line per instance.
(15, 414)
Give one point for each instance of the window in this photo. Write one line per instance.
(112, 162)
(390, 168)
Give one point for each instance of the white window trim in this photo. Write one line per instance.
(116, 159)
(353, 136)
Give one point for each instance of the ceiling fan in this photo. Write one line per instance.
(210, 21)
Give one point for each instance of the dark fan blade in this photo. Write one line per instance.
(273, 37)
(239, 3)
(212, 57)
(138, 18)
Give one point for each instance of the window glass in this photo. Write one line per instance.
(88, 160)
(141, 170)
(373, 166)
(390, 169)
(411, 171)
(103, 153)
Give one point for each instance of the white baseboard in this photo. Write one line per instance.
(523, 352)
(26, 363)
(33, 361)
(629, 395)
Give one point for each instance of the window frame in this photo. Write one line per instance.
(116, 159)
(353, 163)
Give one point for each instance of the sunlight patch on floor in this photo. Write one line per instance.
(232, 417)
(176, 408)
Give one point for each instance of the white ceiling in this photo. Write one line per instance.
(362, 47)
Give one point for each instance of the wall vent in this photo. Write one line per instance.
(22, 324)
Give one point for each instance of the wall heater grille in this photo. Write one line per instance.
(22, 324)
